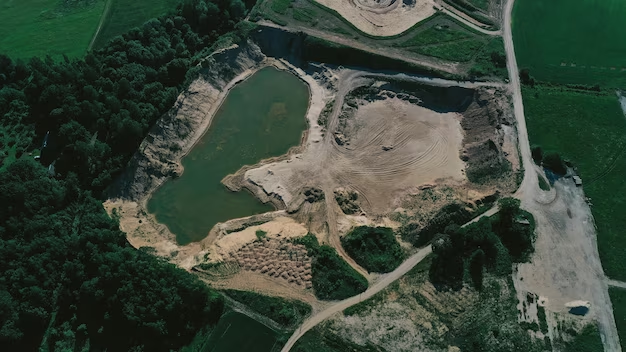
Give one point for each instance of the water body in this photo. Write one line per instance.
(261, 117)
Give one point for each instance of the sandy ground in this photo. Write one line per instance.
(423, 148)
(382, 17)
(281, 227)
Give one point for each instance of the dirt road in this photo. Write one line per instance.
(619, 284)
(384, 281)
(566, 264)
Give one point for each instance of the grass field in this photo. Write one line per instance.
(588, 129)
(47, 27)
(618, 298)
(124, 15)
(565, 41)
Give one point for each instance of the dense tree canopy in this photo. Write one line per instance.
(374, 248)
(68, 277)
(490, 243)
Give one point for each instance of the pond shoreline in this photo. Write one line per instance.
(147, 171)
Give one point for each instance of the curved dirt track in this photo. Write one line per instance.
(620, 284)
(383, 282)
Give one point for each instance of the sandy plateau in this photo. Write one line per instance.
(396, 146)
(382, 17)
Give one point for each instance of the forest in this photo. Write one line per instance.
(69, 280)
(374, 248)
(491, 244)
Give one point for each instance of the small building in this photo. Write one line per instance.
(577, 180)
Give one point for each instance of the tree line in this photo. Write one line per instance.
(69, 280)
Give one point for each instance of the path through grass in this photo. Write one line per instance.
(125, 15)
(48, 27)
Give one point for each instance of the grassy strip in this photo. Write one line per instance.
(588, 129)
(543, 184)
(373, 248)
(333, 278)
(48, 27)
(286, 312)
(618, 298)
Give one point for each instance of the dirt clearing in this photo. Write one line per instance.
(382, 17)
(389, 146)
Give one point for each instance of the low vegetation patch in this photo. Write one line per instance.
(286, 312)
(333, 278)
(543, 184)
(373, 248)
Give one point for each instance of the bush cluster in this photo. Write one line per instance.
(333, 278)
(373, 248)
(491, 243)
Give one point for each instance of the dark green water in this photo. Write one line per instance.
(262, 117)
(237, 332)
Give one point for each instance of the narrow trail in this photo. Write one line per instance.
(614, 283)
(105, 14)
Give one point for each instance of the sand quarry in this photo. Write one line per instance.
(382, 17)
(379, 144)
(392, 146)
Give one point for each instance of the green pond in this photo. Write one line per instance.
(240, 333)
(261, 117)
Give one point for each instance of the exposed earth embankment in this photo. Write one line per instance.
(158, 157)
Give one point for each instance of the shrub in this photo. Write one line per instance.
(260, 234)
(477, 261)
(554, 163)
(374, 248)
(333, 278)
(537, 154)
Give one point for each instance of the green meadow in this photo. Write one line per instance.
(572, 42)
(124, 15)
(48, 27)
